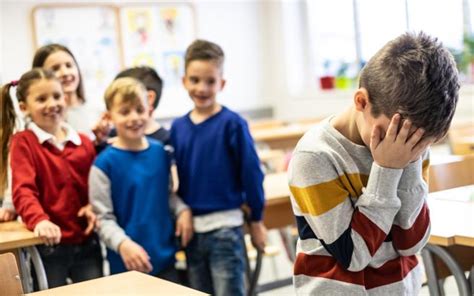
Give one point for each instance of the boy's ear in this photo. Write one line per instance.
(151, 98)
(361, 99)
(223, 82)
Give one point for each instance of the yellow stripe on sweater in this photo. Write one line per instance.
(320, 198)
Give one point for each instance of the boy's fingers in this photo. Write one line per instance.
(416, 137)
(392, 130)
(374, 138)
(81, 212)
(403, 133)
(89, 228)
(178, 230)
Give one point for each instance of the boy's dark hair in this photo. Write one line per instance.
(44, 52)
(205, 51)
(148, 76)
(415, 76)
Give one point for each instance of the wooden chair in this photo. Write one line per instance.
(451, 174)
(10, 281)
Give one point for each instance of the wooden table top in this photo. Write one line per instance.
(14, 235)
(452, 216)
(276, 188)
(282, 132)
(127, 283)
(451, 211)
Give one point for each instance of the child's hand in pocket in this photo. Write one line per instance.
(50, 232)
(134, 256)
(184, 226)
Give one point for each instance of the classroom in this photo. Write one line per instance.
(237, 147)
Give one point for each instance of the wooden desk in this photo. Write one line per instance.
(452, 216)
(127, 283)
(284, 137)
(278, 212)
(452, 238)
(13, 237)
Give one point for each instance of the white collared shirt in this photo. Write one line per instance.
(43, 136)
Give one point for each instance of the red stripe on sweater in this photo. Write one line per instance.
(327, 267)
(404, 239)
(368, 230)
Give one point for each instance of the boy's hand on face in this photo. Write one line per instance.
(184, 226)
(86, 211)
(49, 232)
(7, 215)
(258, 234)
(398, 148)
(134, 256)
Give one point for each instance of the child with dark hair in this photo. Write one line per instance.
(219, 171)
(358, 180)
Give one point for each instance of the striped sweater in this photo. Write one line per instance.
(360, 225)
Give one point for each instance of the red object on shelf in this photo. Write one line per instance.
(326, 82)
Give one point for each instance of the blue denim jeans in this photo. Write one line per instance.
(216, 262)
(79, 262)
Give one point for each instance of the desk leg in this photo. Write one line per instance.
(39, 268)
(453, 266)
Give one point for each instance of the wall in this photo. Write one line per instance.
(257, 62)
(235, 25)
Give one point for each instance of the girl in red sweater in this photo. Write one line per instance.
(50, 164)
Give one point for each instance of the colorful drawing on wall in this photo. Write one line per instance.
(143, 59)
(169, 30)
(168, 16)
(94, 42)
(139, 23)
(173, 62)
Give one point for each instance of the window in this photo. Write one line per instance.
(351, 31)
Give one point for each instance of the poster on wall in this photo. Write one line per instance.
(91, 33)
(157, 36)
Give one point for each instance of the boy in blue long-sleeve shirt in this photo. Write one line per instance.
(218, 170)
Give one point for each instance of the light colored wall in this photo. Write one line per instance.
(251, 34)
(235, 25)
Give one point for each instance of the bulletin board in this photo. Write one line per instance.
(108, 38)
(91, 33)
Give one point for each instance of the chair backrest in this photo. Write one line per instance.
(451, 174)
(10, 279)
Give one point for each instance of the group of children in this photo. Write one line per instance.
(357, 180)
(119, 187)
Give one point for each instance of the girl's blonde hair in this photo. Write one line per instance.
(8, 114)
(130, 89)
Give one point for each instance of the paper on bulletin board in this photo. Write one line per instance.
(91, 33)
(157, 36)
